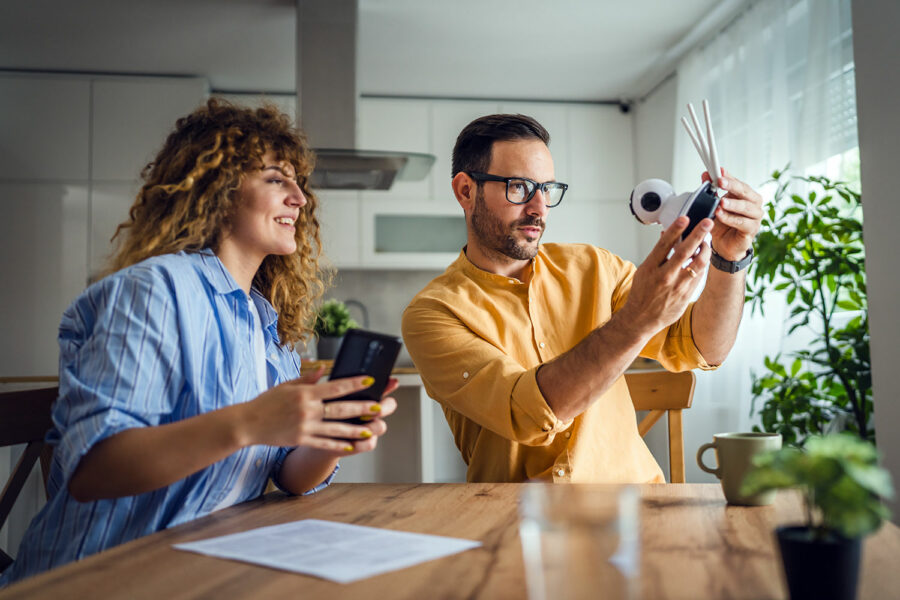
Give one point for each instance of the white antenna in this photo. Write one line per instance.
(706, 147)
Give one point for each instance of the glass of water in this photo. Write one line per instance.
(580, 541)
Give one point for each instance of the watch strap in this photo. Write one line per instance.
(730, 266)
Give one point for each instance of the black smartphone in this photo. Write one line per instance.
(365, 353)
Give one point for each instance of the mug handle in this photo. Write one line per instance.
(700, 463)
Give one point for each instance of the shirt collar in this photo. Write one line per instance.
(222, 282)
(463, 264)
(215, 272)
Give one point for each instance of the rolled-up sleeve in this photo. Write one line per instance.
(120, 365)
(475, 378)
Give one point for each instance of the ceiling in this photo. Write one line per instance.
(524, 49)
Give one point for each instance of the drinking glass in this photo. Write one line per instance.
(580, 541)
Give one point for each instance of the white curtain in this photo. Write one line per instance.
(780, 84)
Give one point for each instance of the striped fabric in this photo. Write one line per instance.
(163, 340)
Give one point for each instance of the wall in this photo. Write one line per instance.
(877, 89)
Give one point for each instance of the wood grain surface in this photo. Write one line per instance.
(693, 546)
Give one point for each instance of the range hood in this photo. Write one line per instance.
(326, 103)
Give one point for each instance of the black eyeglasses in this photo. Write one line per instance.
(520, 190)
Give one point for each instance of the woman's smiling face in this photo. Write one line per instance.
(264, 218)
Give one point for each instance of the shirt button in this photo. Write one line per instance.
(561, 472)
(568, 434)
(465, 374)
(512, 280)
(541, 344)
(546, 428)
(272, 356)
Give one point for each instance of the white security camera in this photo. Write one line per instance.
(655, 201)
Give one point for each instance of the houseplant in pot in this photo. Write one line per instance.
(843, 488)
(332, 322)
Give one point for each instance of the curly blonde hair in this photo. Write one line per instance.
(192, 186)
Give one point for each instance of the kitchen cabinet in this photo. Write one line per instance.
(601, 154)
(398, 125)
(411, 234)
(110, 202)
(131, 119)
(339, 222)
(44, 128)
(44, 241)
(447, 119)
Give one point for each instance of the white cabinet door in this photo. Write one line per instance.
(448, 119)
(411, 235)
(44, 128)
(554, 118)
(131, 119)
(340, 226)
(399, 125)
(601, 154)
(43, 240)
(110, 202)
(603, 224)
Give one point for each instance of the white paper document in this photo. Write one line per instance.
(330, 550)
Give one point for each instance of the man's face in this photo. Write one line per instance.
(513, 230)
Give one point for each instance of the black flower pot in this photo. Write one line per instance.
(327, 346)
(819, 568)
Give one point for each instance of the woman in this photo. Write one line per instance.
(165, 411)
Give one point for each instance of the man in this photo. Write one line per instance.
(524, 345)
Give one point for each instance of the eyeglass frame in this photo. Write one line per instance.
(482, 177)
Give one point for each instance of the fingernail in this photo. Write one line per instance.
(706, 225)
(365, 434)
(375, 408)
(723, 183)
(366, 418)
(368, 380)
(723, 202)
(348, 448)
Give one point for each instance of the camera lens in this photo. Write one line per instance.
(650, 201)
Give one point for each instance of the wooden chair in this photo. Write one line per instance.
(661, 392)
(24, 419)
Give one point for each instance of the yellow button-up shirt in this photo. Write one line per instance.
(478, 338)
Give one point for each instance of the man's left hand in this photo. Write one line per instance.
(738, 218)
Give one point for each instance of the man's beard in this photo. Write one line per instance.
(497, 236)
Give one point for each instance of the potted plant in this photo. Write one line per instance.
(332, 322)
(810, 247)
(843, 488)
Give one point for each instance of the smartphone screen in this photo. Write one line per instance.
(366, 353)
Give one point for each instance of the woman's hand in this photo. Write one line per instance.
(295, 414)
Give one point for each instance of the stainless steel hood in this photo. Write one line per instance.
(326, 103)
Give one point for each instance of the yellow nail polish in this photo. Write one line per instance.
(366, 418)
(348, 448)
(375, 408)
(367, 381)
(365, 434)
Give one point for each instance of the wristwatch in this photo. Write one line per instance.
(730, 266)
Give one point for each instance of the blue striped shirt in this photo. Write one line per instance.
(163, 340)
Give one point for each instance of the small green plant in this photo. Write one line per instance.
(333, 319)
(811, 247)
(840, 479)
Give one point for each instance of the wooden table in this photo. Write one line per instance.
(693, 546)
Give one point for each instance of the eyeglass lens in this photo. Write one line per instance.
(519, 191)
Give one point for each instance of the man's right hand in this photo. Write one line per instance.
(662, 287)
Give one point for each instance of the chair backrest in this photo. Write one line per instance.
(24, 419)
(662, 392)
